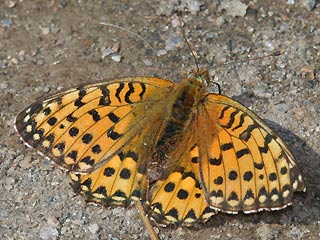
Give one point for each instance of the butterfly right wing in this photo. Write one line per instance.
(244, 165)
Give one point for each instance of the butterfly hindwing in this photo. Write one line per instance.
(122, 179)
(177, 197)
(244, 165)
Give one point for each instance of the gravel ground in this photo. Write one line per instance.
(46, 46)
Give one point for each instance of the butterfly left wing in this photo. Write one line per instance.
(103, 133)
(83, 127)
(244, 165)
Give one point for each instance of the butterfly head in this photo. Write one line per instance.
(201, 75)
(195, 83)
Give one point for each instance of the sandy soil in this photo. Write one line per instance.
(47, 46)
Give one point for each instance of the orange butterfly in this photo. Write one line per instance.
(183, 152)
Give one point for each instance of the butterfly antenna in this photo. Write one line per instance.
(274, 54)
(186, 40)
(128, 31)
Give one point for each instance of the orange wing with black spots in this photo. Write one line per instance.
(244, 165)
(101, 133)
(82, 128)
(122, 179)
(177, 197)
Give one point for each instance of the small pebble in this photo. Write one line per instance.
(11, 4)
(234, 8)
(309, 4)
(161, 52)
(48, 233)
(174, 42)
(148, 62)
(6, 22)
(116, 57)
(94, 228)
(45, 30)
(105, 52)
(116, 47)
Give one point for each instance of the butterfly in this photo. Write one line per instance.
(183, 152)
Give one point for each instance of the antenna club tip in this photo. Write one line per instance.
(278, 53)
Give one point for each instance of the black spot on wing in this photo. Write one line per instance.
(231, 119)
(52, 121)
(60, 146)
(71, 118)
(216, 161)
(108, 172)
(95, 115)
(125, 173)
(246, 134)
(272, 177)
(101, 190)
(264, 149)
(96, 149)
(112, 134)
(87, 138)
(50, 138)
(215, 193)
(118, 91)
(242, 152)
(284, 170)
(128, 93)
(73, 132)
(259, 165)
(191, 214)
(143, 90)
(233, 175)
(188, 174)
(173, 213)
(249, 194)
(182, 194)
(132, 155)
(47, 111)
(240, 122)
(169, 187)
(120, 194)
(87, 160)
(223, 111)
(233, 196)
(226, 146)
(105, 98)
(247, 176)
(218, 180)
(73, 155)
(114, 118)
(194, 160)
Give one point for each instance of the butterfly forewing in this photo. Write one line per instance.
(245, 166)
(81, 128)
